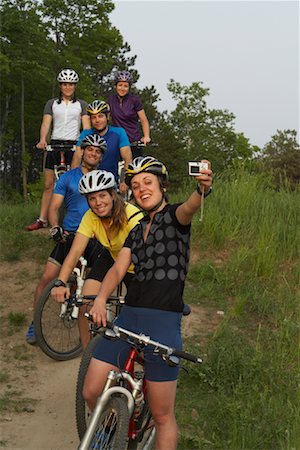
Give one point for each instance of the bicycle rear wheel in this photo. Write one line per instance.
(58, 337)
(82, 410)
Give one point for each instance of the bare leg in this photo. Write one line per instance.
(161, 397)
(95, 380)
(51, 272)
(90, 287)
(47, 194)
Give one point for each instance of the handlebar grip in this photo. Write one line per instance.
(187, 356)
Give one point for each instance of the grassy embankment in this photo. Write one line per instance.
(246, 263)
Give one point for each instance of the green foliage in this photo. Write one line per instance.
(206, 133)
(282, 156)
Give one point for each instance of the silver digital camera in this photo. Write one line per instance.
(195, 167)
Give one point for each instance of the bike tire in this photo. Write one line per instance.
(146, 437)
(112, 429)
(57, 337)
(81, 408)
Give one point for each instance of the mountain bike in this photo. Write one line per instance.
(55, 324)
(61, 147)
(122, 419)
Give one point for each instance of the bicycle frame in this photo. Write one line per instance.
(62, 167)
(112, 387)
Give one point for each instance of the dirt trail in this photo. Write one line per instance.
(43, 389)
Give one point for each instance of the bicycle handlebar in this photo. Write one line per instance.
(61, 147)
(80, 300)
(163, 350)
(141, 144)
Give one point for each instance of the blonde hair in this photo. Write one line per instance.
(119, 217)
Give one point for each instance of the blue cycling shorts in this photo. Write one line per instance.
(161, 326)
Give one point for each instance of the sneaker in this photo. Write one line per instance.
(36, 225)
(30, 335)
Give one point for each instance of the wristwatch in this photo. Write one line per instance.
(198, 190)
(59, 283)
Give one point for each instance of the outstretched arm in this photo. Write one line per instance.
(185, 212)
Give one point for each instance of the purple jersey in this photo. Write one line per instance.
(124, 114)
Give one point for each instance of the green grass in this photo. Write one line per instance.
(12, 401)
(246, 394)
(16, 319)
(15, 241)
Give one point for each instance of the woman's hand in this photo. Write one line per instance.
(98, 312)
(205, 178)
(60, 294)
(145, 140)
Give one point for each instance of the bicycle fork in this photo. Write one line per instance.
(80, 278)
(102, 400)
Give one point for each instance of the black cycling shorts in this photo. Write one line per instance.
(53, 158)
(101, 266)
(61, 250)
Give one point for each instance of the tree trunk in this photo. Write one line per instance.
(23, 146)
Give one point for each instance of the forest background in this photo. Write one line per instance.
(245, 254)
(38, 38)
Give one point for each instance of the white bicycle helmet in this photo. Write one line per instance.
(123, 75)
(94, 140)
(145, 164)
(67, 76)
(95, 181)
(98, 106)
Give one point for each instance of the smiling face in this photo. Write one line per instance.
(99, 121)
(91, 156)
(122, 88)
(67, 90)
(146, 190)
(101, 203)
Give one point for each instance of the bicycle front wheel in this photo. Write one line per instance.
(82, 411)
(58, 337)
(112, 430)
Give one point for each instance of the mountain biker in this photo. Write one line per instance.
(66, 114)
(127, 111)
(116, 139)
(66, 190)
(159, 248)
(110, 219)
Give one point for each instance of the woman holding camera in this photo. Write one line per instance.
(159, 249)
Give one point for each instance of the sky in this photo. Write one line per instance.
(245, 52)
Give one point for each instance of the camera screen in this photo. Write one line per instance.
(194, 169)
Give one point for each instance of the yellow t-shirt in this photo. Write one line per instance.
(91, 225)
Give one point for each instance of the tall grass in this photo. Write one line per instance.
(15, 241)
(246, 394)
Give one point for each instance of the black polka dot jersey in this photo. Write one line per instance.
(161, 262)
